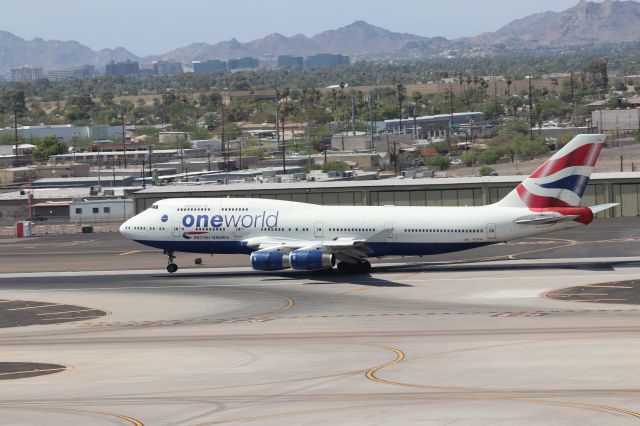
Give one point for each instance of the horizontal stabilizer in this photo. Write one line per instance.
(602, 207)
(545, 219)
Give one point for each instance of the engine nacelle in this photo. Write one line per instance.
(272, 260)
(311, 260)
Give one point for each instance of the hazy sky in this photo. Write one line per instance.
(157, 26)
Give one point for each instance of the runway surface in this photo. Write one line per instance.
(477, 341)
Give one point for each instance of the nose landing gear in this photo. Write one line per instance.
(171, 267)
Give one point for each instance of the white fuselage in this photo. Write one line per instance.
(224, 225)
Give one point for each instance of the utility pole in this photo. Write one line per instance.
(144, 182)
(573, 102)
(308, 143)
(415, 124)
(124, 138)
(371, 120)
(530, 112)
(15, 130)
(620, 143)
(150, 149)
(395, 158)
(224, 152)
(284, 162)
(353, 113)
(450, 133)
(99, 177)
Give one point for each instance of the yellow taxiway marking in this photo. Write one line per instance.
(33, 307)
(129, 252)
(583, 405)
(371, 373)
(284, 414)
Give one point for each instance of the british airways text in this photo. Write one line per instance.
(264, 220)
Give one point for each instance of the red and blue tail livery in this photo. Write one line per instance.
(561, 180)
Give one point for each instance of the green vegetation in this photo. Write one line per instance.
(50, 145)
(379, 90)
(439, 161)
(486, 171)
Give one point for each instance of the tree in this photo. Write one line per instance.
(13, 102)
(50, 145)
(107, 99)
(596, 75)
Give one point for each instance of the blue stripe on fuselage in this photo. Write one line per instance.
(374, 249)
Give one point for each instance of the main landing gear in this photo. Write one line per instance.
(362, 267)
(171, 267)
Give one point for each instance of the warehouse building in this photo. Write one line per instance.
(623, 188)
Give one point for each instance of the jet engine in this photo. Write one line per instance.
(311, 260)
(272, 260)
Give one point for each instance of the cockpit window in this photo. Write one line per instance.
(154, 206)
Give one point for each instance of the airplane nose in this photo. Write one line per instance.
(125, 229)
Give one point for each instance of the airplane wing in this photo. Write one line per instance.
(341, 247)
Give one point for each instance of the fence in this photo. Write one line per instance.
(58, 228)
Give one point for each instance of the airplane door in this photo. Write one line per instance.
(318, 231)
(491, 231)
(237, 232)
(175, 228)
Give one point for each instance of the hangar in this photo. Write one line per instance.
(603, 188)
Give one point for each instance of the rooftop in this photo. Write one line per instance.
(385, 183)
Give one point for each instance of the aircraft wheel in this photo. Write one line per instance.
(345, 267)
(171, 268)
(365, 266)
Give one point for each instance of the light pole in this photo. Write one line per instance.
(124, 137)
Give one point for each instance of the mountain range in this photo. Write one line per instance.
(587, 23)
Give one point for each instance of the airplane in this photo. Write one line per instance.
(280, 234)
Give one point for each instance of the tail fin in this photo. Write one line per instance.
(561, 180)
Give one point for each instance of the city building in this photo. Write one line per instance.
(434, 126)
(289, 61)
(326, 60)
(243, 63)
(167, 68)
(212, 66)
(67, 132)
(617, 120)
(127, 68)
(27, 73)
(18, 175)
(78, 73)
